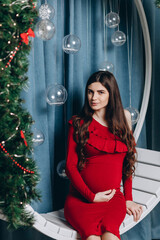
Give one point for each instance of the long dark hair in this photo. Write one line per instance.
(115, 117)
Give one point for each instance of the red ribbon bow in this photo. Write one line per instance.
(24, 36)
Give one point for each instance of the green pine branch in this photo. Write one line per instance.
(157, 2)
(17, 187)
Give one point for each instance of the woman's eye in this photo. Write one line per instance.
(101, 92)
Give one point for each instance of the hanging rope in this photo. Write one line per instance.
(104, 30)
(129, 51)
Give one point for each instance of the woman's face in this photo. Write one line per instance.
(98, 96)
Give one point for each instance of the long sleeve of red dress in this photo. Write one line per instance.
(127, 189)
(72, 170)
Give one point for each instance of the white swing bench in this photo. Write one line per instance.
(146, 191)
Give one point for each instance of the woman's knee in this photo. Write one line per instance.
(109, 236)
(93, 237)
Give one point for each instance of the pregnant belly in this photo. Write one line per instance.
(102, 173)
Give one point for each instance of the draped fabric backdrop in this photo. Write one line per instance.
(49, 65)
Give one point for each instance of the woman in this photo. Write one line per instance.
(100, 154)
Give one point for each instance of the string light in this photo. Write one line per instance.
(17, 127)
(12, 53)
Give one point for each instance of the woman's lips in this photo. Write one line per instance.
(94, 104)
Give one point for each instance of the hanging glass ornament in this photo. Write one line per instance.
(45, 30)
(112, 20)
(118, 38)
(134, 114)
(46, 11)
(38, 137)
(26, 86)
(61, 169)
(56, 94)
(106, 66)
(71, 44)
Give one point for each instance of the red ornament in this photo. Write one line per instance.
(24, 36)
(24, 139)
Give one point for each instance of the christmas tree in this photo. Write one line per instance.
(18, 172)
(157, 2)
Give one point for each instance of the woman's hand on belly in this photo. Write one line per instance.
(104, 196)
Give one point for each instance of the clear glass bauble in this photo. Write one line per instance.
(46, 11)
(38, 137)
(56, 94)
(134, 114)
(71, 44)
(26, 86)
(112, 20)
(61, 169)
(45, 30)
(106, 66)
(118, 38)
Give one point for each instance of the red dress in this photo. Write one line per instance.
(103, 171)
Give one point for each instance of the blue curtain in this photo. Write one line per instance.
(50, 65)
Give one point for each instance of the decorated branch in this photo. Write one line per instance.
(157, 2)
(18, 171)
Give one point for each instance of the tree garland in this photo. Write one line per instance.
(18, 171)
